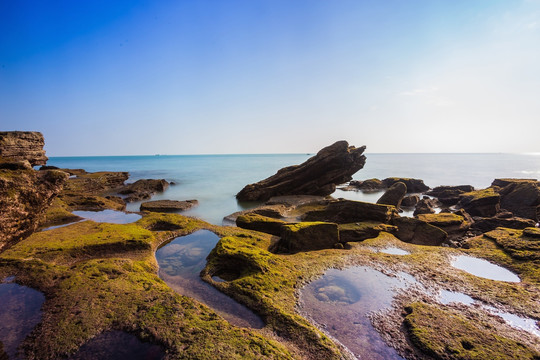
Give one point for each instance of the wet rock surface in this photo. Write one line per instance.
(307, 236)
(349, 211)
(413, 185)
(394, 195)
(143, 189)
(319, 175)
(22, 145)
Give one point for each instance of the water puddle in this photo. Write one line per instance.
(108, 216)
(341, 300)
(19, 314)
(61, 226)
(394, 251)
(483, 268)
(118, 345)
(447, 297)
(180, 263)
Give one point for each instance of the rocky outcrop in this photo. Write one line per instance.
(261, 223)
(425, 206)
(94, 183)
(453, 224)
(168, 205)
(361, 231)
(143, 189)
(369, 185)
(410, 201)
(413, 185)
(394, 195)
(484, 203)
(22, 145)
(349, 211)
(319, 175)
(24, 197)
(449, 195)
(307, 236)
(419, 232)
(522, 198)
(483, 225)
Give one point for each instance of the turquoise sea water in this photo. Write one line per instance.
(214, 180)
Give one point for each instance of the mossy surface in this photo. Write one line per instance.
(98, 277)
(442, 219)
(480, 194)
(446, 334)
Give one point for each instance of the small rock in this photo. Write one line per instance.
(168, 205)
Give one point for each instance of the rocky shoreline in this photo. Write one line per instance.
(99, 277)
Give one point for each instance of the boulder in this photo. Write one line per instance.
(366, 185)
(349, 211)
(484, 203)
(260, 223)
(143, 189)
(410, 201)
(488, 224)
(319, 175)
(501, 183)
(24, 197)
(419, 232)
(449, 195)
(361, 231)
(22, 145)
(168, 205)
(413, 185)
(97, 183)
(425, 206)
(522, 198)
(394, 195)
(451, 223)
(307, 236)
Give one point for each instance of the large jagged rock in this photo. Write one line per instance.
(521, 197)
(394, 195)
(319, 175)
(24, 197)
(350, 211)
(22, 145)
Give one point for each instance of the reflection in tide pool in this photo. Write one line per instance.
(483, 268)
(19, 314)
(108, 216)
(180, 263)
(118, 345)
(340, 301)
(394, 251)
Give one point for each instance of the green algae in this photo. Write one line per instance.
(446, 334)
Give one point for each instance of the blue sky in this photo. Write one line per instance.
(271, 76)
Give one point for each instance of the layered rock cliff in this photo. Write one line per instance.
(319, 175)
(22, 145)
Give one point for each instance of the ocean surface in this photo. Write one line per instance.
(214, 180)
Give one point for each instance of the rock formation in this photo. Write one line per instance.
(413, 185)
(449, 195)
(143, 189)
(349, 211)
(319, 175)
(22, 145)
(307, 236)
(24, 197)
(394, 195)
(168, 205)
(521, 197)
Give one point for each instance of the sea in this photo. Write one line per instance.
(214, 180)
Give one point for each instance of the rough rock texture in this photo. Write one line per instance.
(361, 231)
(451, 223)
(143, 189)
(410, 201)
(319, 175)
(487, 224)
(394, 195)
(168, 205)
(22, 145)
(366, 185)
(522, 198)
(349, 211)
(449, 195)
(24, 197)
(419, 232)
(413, 185)
(260, 223)
(307, 236)
(425, 206)
(95, 183)
(485, 203)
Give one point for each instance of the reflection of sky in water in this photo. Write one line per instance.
(341, 300)
(19, 314)
(180, 263)
(108, 216)
(394, 251)
(483, 268)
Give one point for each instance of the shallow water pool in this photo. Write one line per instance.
(483, 268)
(108, 216)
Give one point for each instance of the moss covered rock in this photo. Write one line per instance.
(394, 195)
(349, 211)
(260, 223)
(485, 203)
(307, 236)
(419, 232)
(363, 230)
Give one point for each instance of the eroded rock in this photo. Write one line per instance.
(485, 203)
(143, 189)
(307, 236)
(413, 185)
(168, 205)
(394, 195)
(319, 175)
(22, 145)
(349, 211)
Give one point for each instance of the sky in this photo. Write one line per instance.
(272, 76)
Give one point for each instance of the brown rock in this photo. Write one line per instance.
(394, 195)
(419, 232)
(95, 183)
(488, 224)
(319, 175)
(24, 197)
(522, 198)
(484, 203)
(425, 206)
(449, 195)
(349, 211)
(168, 205)
(307, 236)
(361, 231)
(260, 223)
(143, 189)
(413, 185)
(410, 201)
(22, 145)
